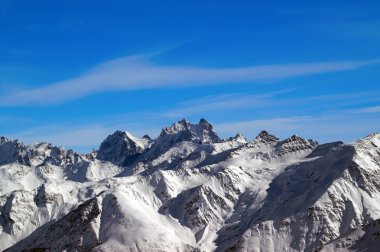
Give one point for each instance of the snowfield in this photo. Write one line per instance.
(189, 190)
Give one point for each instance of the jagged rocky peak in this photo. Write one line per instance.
(186, 131)
(207, 130)
(296, 143)
(36, 153)
(121, 148)
(264, 136)
(240, 138)
(12, 151)
(176, 127)
(369, 146)
(371, 139)
(43, 148)
(295, 139)
(205, 124)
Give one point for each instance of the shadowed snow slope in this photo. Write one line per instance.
(189, 190)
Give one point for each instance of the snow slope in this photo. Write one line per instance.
(189, 190)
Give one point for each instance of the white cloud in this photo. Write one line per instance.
(139, 72)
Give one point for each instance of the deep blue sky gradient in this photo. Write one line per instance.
(46, 42)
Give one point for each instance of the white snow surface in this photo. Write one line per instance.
(188, 190)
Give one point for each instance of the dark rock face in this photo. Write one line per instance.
(119, 149)
(42, 198)
(73, 232)
(196, 207)
(325, 149)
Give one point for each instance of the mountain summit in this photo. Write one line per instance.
(121, 148)
(189, 190)
(185, 131)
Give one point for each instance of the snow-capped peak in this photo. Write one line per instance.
(240, 138)
(141, 142)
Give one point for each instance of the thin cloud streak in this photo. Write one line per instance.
(219, 102)
(139, 72)
(268, 100)
(374, 109)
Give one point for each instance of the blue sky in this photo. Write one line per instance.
(72, 72)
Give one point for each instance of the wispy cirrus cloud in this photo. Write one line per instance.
(271, 100)
(373, 109)
(221, 102)
(140, 72)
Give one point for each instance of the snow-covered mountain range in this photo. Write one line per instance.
(190, 190)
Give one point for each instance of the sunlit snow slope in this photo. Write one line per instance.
(189, 190)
